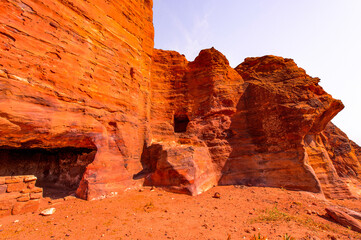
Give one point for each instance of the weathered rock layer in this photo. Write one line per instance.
(76, 74)
(83, 77)
(263, 122)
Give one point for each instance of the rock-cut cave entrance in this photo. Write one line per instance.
(59, 171)
(180, 123)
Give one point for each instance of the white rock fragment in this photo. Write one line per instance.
(48, 212)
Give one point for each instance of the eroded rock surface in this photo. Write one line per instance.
(77, 74)
(335, 161)
(280, 105)
(83, 75)
(262, 121)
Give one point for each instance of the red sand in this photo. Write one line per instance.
(240, 213)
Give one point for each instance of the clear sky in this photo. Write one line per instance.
(322, 36)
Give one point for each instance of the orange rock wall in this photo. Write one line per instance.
(77, 74)
(168, 92)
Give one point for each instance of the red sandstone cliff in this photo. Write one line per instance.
(86, 102)
(77, 74)
(263, 123)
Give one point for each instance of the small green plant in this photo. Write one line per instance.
(310, 223)
(258, 237)
(288, 237)
(275, 215)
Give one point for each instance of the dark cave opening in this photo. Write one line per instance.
(180, 123)
(58, 171)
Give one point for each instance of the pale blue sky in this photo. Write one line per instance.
(322, 36)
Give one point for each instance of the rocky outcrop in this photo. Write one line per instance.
(261, 121)
(87, 103)
(280, 106)
(334, 159)
(307, 110)
(214, 90)
(192, 103)
(344, 153)
(342, 163)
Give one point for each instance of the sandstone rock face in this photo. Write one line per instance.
(262, 122)
(77, 74)
(86, 102)
(214, 90)
(192, 103)
(344, 153)
(168, 91)
(180, 168)
(335, 161)
(283, 105)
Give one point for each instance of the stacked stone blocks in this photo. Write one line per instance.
(18, 194)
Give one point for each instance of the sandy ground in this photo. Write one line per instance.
(240, 213)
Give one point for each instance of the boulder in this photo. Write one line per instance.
(344, 219)
(181, 168)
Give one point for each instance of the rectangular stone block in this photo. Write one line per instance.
(30, 178)
(36, 190)
(27, 190)
(3, 188)
(16, 187)
(7, 196)
(25, 207)
(2, 180)
(30, 184)
(24, 198)
(36, 195)
(14, 179)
